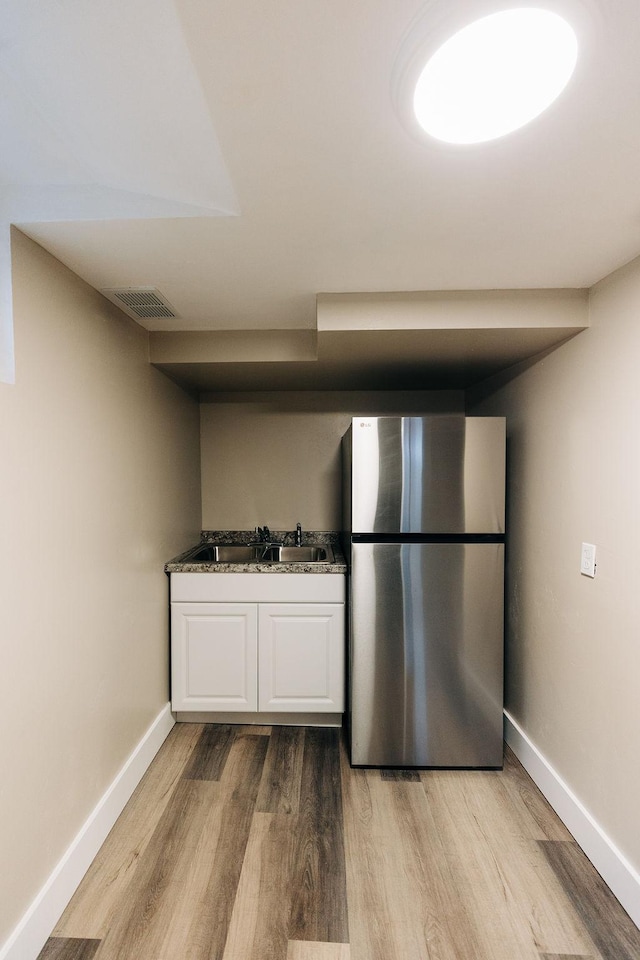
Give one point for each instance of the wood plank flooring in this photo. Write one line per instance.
(258, 843)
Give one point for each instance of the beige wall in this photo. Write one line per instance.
(274, 458)
(573, 644)
(99, 486)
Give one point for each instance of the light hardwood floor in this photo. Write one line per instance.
(258, 843)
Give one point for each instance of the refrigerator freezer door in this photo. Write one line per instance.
(438, 474)
(426, 652)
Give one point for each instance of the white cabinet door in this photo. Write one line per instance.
(214, 656)
(301, 657)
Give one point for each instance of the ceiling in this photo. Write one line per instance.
(243, 157)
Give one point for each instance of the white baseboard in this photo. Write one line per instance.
(612, 866)
(31, 933)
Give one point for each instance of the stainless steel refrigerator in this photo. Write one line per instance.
(424, 501)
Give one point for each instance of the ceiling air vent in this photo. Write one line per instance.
(141, 303)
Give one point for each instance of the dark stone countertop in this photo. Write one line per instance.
(181, 563)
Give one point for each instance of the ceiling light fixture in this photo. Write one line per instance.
(495, 75)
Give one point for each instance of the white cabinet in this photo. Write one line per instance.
(258, 655)
(214, 649)
(301, 657)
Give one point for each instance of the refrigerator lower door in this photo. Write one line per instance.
(426, 654)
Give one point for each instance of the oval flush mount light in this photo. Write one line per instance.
(495, 75)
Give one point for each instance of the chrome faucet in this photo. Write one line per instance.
(298, 535)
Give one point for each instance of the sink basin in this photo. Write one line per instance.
(304, 554)
(266, 553)
(225, 553)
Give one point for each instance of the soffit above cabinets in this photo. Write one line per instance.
(379, 342)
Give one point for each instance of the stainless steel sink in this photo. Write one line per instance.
(259, 553)
(225, 553)
(304, 554)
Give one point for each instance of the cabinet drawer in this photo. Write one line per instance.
(258, 587)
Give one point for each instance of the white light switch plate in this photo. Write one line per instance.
(588, 560)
